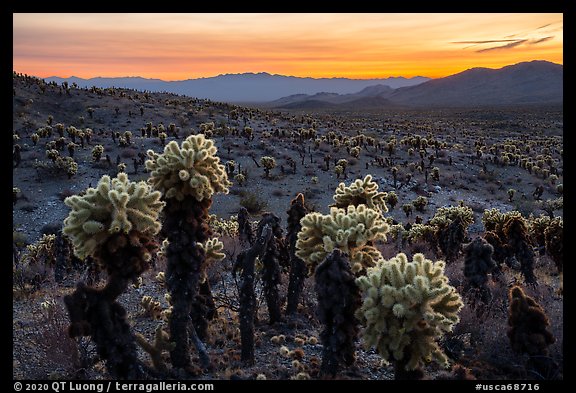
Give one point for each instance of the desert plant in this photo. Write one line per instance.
(271, 265)
(252, 202)
(245, 228)
(268, 163)
(511, 193)
(529, 333)
(115, 224)
(391, 199)
(360, 192)
(452, 223)
(245, 261)
(240, 178)
(297, 265)
(338, 300)
(97, 152)
(352, 230)
(161, 343)
(420, 203)
(554, 240)
(407, 208)
(478, 263)
(515, 230)
(187, 176)
(407, 307)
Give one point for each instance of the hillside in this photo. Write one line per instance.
(467, 159)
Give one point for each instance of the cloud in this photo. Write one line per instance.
(480, 42)
(534, 42)
(507, 46)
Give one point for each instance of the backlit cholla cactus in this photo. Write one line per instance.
(407, 306)
(115, 206)
(352, 230)
(193, 169)
(115, 223)
(361, 191)
(188, 176)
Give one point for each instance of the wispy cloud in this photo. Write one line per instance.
(534, 42)
(527, 37)
(507, 46)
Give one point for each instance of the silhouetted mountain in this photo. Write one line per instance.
(248, 87)
(535, 82)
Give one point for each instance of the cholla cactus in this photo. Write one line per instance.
(554, 239)
(515, 230)
(115, 206)
(115, 223)
(97, 152)
(392, 199)
(268, 163)
(152, 307)
(338, 300)
(213, 252)
(193, 169)
(297, 266)
(478, 263)
(240, 178)
(529, 332)
(420, 203)
(363, 192)
(188, 176)
(351, 230)
(407, 307)
(452, 223)
(161, 343)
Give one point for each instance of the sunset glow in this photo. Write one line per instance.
(184, 46)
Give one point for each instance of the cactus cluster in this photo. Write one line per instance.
(115, 206)
(407, 307)
(351, 230)
(193, 169)
(361, 192)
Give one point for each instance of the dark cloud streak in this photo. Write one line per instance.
(507, 46)
(480, 42)
(534, 42)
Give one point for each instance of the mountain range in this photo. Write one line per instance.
(534, 82)
(246, 87)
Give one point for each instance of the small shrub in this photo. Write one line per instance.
(252, 202)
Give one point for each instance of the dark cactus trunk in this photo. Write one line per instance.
(184, 227)
(244, 228)
(245, 262)
(271, 267)
(298, 270)
(96, 313)
(338, 299)
(400, 372)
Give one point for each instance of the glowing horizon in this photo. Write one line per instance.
(360, 46)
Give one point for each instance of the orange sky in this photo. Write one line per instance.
(183, 46)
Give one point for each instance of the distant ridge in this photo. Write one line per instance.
(247, 87)
(534, 82)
